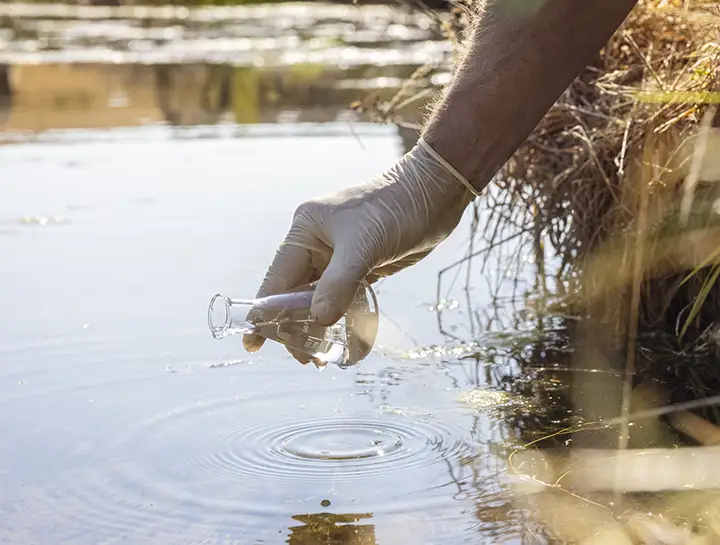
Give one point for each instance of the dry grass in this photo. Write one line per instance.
(619, 181)
(605, 171)
(607, 180)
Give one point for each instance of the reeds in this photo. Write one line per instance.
(606, 170)
(617, 180)
(620, 182)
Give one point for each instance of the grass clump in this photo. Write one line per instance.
(617, 180)
(614, 174)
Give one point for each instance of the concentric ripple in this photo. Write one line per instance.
(211, 468)
(332, 442)
(327, 448)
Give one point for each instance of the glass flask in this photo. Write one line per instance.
(285, 318)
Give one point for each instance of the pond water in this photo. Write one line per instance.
(260, 64)
(152, 158)
(122, 418)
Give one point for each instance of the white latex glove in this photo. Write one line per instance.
(367, 231)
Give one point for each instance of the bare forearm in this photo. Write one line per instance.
(522, 56)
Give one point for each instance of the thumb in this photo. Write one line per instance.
(338, 285)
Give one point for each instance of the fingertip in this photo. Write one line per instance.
(319, 364)
(324, 313)
(290, 267)
(332, 300)
(301, 357)
(338, 285)
(252, 343)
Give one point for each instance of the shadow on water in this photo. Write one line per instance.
(6, 93)
(329, 529)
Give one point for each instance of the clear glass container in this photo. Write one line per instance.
(285, 318)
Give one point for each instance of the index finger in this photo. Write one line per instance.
(290, 267)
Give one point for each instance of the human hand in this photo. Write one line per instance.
(366, 231)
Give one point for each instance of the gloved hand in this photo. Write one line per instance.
(366, 232)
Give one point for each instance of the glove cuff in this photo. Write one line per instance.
(447, 166)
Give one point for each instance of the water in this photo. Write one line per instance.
(254, 64)
(127, 200)
(123, 418)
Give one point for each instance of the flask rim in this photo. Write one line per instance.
(219, 331)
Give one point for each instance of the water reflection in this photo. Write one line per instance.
(332, 529)
(6, 93)
(194, 94)
(576, 486)
(99, 67)
(67, 96)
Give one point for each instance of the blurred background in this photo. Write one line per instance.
(70, 66)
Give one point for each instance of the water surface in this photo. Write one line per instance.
(154, 158)
(121, 66)
(123, 419)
